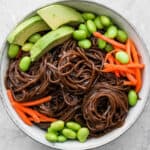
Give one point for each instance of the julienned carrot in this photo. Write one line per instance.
(24, 117)
(128, 83)
(10, 96)
(128, 49)
(138, 72)
(37, 102)
(131, 78)
(110, 41)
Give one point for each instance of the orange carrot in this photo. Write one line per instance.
(9, 94)
(131, 78)
(128, 46)
(37, 102)
(24, 117)
(110, 41)
(128, 83)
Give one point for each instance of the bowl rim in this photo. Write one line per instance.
(28, 13)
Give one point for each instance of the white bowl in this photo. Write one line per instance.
(38, 134)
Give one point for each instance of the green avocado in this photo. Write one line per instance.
(50, 40)
(25, 29)
(58, 15)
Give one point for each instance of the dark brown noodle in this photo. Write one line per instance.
(79, 90)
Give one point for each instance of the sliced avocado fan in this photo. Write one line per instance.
(58, 15)
(25, 29)
(49, 41)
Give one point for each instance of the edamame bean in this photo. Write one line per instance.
(13, 51)
(82, 134)
(52, 137)
(112, 31)
(68, 133)
(91, 26)
(86, 44)
(57, 125)
(51, 130)
(122, 36)
(79, 34)
(132, 98)
(73, 125)
(88, 16)
(84, 27)
(98, 23)
(25, 63)
(101, 44)
(34, 38)
(105, 21)
(122, 57)
(61, 138)
(108, 47)
(27, 47)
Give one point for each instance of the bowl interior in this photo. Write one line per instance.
(134, 113)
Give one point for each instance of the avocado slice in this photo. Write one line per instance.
(25, 29)
(58, 15)
(49, 41)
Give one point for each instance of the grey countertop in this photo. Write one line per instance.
(137, 137)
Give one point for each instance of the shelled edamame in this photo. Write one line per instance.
(59, 131)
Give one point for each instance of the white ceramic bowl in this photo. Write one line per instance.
(38, 134)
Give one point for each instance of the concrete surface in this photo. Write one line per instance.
(137, 137)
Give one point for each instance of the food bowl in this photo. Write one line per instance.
(134, 113)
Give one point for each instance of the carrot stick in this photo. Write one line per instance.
(37, 102)
(44, 120)
(110, 41)
(131, 78)
(128, 83)
(128, 46)
(9, 93)
(24, 117)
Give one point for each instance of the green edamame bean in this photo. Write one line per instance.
(98, 23)
(84, 27)
(27, 47)
(91, 26)
(73, 125)
(68, 133)
(79, 34)
(122, 36)
(112, 31)
(86, 44)
(25, 63)
(101, 44)
(105, 21)
(57, 125)
(108, 47)
(51, 130)
(88, 16)
(82, 134)
(61, 138)
(34, 38)
(52, 137)
(13, 51)
(132, 98)
(122, 57)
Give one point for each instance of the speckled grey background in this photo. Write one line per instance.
(137, 137)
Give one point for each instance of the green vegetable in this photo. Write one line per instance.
(122, 57)
(122, 36)
(27, 47)
(105, 21)
(25, 63)
(84, 27)
(88, 16)
(101, 44)
(82, 134)
(91, 26)
(52, 137)
(132, 98)
(98, 23)
(61, 138)
(73, 125)
(108, 47)
(57, 125)
(68, 133)
(13, 51)
(112, 31)
(86, 44)
(51, 130)
(34, 38)
(79, 34)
